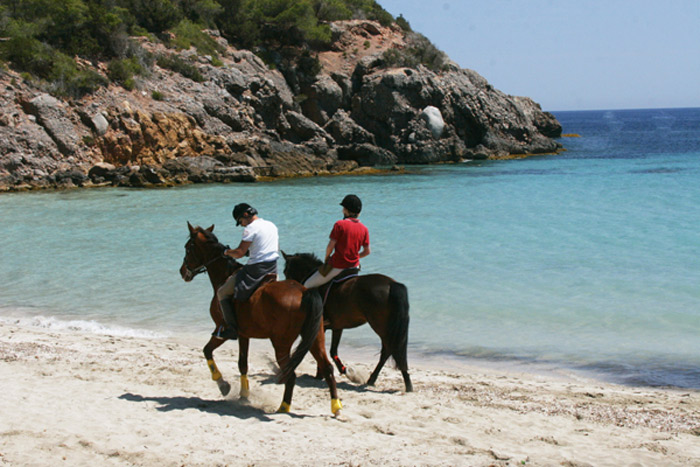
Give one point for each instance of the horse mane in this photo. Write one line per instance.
(308, 258)
(211, 239)
(209, 236)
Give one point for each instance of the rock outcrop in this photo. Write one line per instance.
(244, 120)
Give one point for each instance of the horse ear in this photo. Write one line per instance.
(189, 226)
(284, 255)
(211, 229)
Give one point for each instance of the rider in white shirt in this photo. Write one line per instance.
(260, 240)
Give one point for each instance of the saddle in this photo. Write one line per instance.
(348, 273)
(272, 277)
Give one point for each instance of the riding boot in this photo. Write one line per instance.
(229, 310)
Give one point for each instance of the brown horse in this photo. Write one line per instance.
(278, 310)
(373, 298)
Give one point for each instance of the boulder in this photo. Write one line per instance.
(302, 128)
(52, 115)
(345, 130)
(459, 103)
(99, 124)
(366, 155)
(323, 99)
(433, 119)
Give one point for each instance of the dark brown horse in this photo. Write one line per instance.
(372, 298)
(278, 310)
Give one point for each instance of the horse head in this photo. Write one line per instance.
(201, 250)
(300, 266)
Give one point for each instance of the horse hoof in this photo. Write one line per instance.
(336, 406)
(224, 387)
(284, 408)
(245, 387)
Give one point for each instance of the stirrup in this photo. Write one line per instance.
(228, 333)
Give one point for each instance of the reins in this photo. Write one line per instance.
(203, 267)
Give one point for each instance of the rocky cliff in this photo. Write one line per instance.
(245, 120)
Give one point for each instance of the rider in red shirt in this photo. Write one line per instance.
(349, 241)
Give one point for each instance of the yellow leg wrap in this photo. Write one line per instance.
(336, 406)
(215, 373)
(245, 387)
(284, 408)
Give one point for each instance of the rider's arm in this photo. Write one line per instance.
(239, 251)
(365, 251)
(330, 248)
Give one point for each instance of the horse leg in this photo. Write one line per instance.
(243, 345)
(335, 340)
(282, 357)
(382, 360)
(212, 345)
(407, 381)
(318, 350)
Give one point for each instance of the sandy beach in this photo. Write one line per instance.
(72, 398)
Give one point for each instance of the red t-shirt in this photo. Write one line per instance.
(350, 235)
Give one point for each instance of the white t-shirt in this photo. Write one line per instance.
(265, 241)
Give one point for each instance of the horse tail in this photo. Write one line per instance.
(398, 324)
(312, 305)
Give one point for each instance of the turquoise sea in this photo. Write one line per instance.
(587, 261)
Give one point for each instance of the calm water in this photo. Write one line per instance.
(588, 260)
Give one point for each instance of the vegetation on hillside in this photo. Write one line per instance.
(419, 51)
(45, 38)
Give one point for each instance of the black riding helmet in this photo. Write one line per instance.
(241, 209)
(352, 203)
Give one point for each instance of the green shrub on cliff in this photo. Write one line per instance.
(189, 34)
(420, 51)
(369, 9)
(69, 80)
(292, 22)
(41, 36)
(58, 71)
(181, 66)
(251, 23)
(122, 71)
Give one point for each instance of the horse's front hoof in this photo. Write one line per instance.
(336, 405)
(245, 387)
(224, 387)
(284, 408)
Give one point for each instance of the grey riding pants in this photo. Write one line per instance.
(241, 285)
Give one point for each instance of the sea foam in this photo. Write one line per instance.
(83, 326)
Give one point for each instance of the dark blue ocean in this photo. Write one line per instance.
(586, 262)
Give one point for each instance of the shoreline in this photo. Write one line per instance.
(86, 398)
(367, 352)
(396, 169)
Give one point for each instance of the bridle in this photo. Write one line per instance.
(192, 273)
